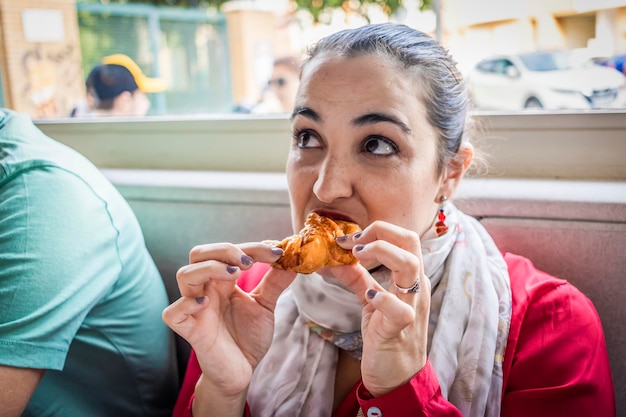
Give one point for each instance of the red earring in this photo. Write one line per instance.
(440, 227)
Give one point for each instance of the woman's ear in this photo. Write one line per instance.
(455, 169)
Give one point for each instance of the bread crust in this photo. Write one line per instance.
(314, 247)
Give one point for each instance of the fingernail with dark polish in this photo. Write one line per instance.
(231, 269)
(199, 300)
(359, 248)
(246, 260)
(371, 293)
(357, 235)
(342, 238)
(277, 251)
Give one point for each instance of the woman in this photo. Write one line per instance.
(433, 320)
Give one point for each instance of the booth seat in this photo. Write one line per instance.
(572, 229)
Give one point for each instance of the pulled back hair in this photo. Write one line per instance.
(444, 94)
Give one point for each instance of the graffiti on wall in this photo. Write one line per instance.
(52, 80)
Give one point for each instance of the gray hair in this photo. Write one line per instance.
(444, 94)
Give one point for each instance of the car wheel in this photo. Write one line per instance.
(533, 103)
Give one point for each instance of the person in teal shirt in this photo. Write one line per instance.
(80, 296)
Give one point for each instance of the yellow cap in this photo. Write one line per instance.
(145, 84)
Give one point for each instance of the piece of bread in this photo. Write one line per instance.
(314, 247)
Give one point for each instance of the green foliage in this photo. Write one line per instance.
(317, 8)
(169, 3)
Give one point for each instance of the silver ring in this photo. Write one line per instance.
(413, 289)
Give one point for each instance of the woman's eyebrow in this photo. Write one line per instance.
(305, 112)
(372, 118)
(366, 119)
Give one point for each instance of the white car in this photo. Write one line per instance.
(544, 80)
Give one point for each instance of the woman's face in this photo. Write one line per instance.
(363, 149)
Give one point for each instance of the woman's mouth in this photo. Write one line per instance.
(334, 215)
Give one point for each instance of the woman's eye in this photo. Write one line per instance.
(379, 146)
(306, 139)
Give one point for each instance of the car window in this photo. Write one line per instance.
(510, 68)
(486, 66)
(547, 61)
(500, 66)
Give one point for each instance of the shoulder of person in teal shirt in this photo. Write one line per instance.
(81, 295)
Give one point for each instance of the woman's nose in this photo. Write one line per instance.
(334, 180)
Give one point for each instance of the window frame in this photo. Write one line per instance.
(557, 145)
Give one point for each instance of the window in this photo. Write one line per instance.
(213, 64)
(547, 61)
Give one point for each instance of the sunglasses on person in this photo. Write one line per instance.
(279, 82)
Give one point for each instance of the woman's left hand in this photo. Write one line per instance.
(395, 324)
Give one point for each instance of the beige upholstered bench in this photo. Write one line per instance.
(575, 230)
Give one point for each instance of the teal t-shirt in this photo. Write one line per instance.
(80, 295)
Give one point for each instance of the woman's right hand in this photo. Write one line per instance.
(229, 329)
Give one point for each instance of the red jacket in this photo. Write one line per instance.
(555, 363)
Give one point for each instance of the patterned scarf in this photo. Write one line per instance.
(468, 328)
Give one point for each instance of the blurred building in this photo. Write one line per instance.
(40, 56)
(477, 28)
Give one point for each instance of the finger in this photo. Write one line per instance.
(265, 251)
(221, 262)
(357, 279)
(193, 278)
(405, 267)
(272, 286)
(179, 315)
(242, 255)
(397, 314)
(348, 241)
(379, 230)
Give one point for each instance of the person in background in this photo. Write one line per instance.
(118, 87)
(434, 320)
(285, 81)
(80, 296)
(282, 87)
